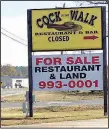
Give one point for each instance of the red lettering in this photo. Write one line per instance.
(80, 83)
(38, 60)
(57, 60)
(70, 60)
(78, 60)
(88, 83)
(85, 61)
(96, 83)
(95, 60)
(47, 61)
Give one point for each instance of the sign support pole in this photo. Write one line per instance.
(104, 58)
(63, 7)
(30, 62)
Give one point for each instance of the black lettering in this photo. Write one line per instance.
(64, 38)
(65, 33)
(49, 39)
(75, 75)
(57, 16)
(82, 75)
(44, 69)
(80, 32)
(70, 32)
(37, 69)
(62, 69)
(69, 69)
(40, 26)
(56, 38)
(91, 32)
(50, 17)
(52, 76)
(85, 20)
(60, 38)
(40, 33)
(57, 68)
(73, 14)
(36, 34)
(98, 67)
(50, 69)
(84, 68)
(87, 32)
(80, 18)
(44, 33)
(90, 68)
(56, 33)
(68, 76)
(53, 33)
(48, 33)
(74, 32)
(95, 32)
(61, 77)
(77, 68)
(67, 38)
(91, 22)
(61, 33)
(45, 20)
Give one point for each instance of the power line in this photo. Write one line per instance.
(13, 34)
(13, 39)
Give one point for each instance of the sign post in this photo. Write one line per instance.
(30, 62)
(104, 59)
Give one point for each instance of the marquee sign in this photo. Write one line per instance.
(68, 72)
(66, 29)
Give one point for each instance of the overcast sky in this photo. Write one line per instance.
(14, 19)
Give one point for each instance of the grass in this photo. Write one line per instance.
(56, 96)
(51, 114)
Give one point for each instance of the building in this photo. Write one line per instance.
(14, 82)
(19, 82)
(6, 81)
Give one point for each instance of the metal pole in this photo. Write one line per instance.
(63, 7)
(82, 52)
(104, 58)
(30, 62)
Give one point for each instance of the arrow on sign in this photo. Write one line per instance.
(90, 37)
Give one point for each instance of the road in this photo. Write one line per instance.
(94, 123)
(54, 103)
(8, 92)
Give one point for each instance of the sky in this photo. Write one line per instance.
(14, 19)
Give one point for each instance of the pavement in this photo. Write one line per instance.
(97, 123)
(54, 103)
(8, 92)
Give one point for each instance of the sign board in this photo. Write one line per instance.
(68, 72)
(66, 29)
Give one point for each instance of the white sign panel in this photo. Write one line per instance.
(68, 72)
